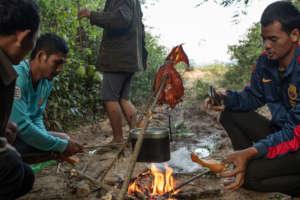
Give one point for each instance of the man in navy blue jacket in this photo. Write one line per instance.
(268, 157)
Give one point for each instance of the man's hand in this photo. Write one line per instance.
(84, 13)
(240, 160)
(210, 104)
(72, 148)
(8, 146)
(11, 131)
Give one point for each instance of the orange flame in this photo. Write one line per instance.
(161, 183)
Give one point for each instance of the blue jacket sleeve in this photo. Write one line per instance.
(251, 97)
(284, 141)
(32, 134)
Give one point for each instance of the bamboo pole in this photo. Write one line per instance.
(139, 142)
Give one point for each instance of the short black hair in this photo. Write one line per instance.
(51, 44)
(283, 12)
(19, 15)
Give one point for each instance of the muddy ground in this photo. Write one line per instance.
(195, 129)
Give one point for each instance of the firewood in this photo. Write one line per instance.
(186, 182)
(105, 171)
(94, 182)
(196, 195)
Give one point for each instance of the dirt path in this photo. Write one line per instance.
(195, 130)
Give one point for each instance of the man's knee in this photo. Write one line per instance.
(16, 178)
(27, 182)
(252, 177)
(251, 183)
(225, 116)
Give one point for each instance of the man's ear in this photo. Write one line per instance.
(41, 56)
(21, 35)
(295, 35)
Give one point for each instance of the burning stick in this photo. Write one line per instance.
(139, 142)
(185, 183)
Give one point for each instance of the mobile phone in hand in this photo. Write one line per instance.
(216, 98)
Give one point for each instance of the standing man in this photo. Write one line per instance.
(32, 90)
(268, 156)
(19, 29)
(122, 53)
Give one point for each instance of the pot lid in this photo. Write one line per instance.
(151, 133)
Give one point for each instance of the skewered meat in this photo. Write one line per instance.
(213, 165)
(173, 89)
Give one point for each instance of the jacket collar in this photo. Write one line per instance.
(293, 63)
(273, 65)
(7, 72)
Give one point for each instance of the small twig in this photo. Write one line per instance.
(104, 145)
(105, 172)
(96, 183)
(83, 171)
(186, 182)
(196, 195)
(139, 142)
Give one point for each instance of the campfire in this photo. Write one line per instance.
(162, 183)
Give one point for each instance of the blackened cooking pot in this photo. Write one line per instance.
(156, 144)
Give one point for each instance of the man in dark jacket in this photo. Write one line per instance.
(122, 53)
(19, 29)
(268, 156)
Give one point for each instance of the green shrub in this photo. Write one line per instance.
(201, 89)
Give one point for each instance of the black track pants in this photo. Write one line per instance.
(276, 175)
(16, 178)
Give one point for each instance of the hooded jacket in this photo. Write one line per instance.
(123, 43)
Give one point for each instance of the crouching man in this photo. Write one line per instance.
(32, 90)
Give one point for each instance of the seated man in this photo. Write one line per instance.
(268, 156)
(18, 34)
(33, 87)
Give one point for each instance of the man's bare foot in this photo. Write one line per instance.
(117, 140)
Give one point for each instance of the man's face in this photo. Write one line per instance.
(277, 43)
(53, 65)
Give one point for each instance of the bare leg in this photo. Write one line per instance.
(114, 112)
(130, 112)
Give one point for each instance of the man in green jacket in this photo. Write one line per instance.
(122, 53)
